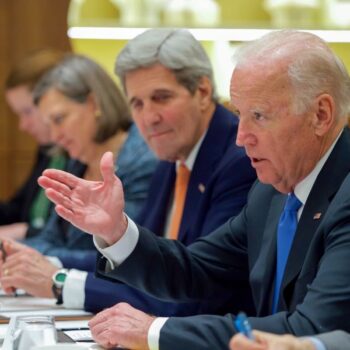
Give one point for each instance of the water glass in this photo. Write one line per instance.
(34, 330)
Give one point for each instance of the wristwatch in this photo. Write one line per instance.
(58, 280)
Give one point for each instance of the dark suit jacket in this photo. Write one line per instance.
(336, 340)
(218, 188)
(316, 284)
(221, 168)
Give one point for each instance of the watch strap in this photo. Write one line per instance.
(58, 280)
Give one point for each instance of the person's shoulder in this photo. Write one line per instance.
(221, 133)
(226, 116)
(233, 157)
(337, 213)
(134, 143)
(260, 190)
(135, 160)
(135, 152)
(346, 183)
(342, 194)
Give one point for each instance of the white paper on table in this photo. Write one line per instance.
(80, 335)
(49, 312)
(22, 305)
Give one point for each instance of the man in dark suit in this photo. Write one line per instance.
(213, 196)
(290, 241)
(182, 122)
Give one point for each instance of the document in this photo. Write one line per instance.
(22, 305)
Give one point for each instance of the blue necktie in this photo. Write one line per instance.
(285, 235)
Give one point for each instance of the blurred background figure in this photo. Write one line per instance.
(26, 212)
(88, 115)
(178, 115)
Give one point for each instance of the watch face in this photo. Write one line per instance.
(57, 286)
(61, 277)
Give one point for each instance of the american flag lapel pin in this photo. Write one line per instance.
(317, 216)
(201, 188)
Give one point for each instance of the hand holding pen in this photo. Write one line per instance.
(268, 341)
(2, 250)
(242, 325)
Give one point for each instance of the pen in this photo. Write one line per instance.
(243, 326)
(73, 329)
(3, 251)
(84, 341)
(4, 256)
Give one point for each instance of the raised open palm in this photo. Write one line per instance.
(93, 206)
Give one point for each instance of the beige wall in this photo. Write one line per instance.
(234, 13)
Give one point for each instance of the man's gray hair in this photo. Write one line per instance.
(175, 49)
(77, 77)
(311, 66)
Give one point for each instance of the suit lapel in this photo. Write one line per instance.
(219, 134)
(307, 226)
(323, 191)
(155, 210)
(264, 268)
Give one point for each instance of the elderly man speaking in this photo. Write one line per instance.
(290, 241)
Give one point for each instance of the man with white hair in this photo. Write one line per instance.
(291, 240)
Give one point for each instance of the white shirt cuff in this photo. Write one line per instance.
(154, 332)
(73, 293)
(119, 251)
(317, 343)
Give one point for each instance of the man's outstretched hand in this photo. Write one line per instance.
(92, 206)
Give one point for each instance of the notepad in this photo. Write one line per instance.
(36, 306)
(80, 335)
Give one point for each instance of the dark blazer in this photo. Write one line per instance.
(134, 166)
(336, 340)
(220, 180)
(18, 207)
(218, 185)
(316, 284)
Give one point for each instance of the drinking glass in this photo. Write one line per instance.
(34, 330)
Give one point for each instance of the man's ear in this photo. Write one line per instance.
(324, 117)
(205, 91)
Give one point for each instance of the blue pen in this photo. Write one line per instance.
(243, 326)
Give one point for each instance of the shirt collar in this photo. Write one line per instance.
(303, 188)
(189, 162)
